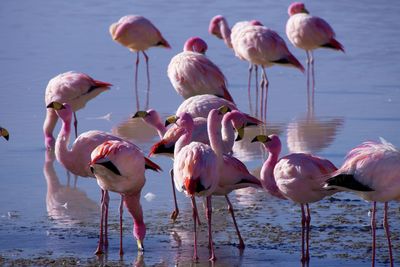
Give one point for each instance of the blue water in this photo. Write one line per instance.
(357, 99)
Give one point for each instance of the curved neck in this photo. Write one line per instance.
(161, 130)
(132, 203)
(267, 173)
(228, 133)
(225, 32)
(185, 138)
(214, 133)
(63, 154)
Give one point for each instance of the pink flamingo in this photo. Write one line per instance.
(233, 174)
(76, 159)
(296, 176)
(308, 33)
(258, 45)
(119, 167)
(4, 133)
(138, 34)
(192, 73)
(371, 170)
(71, 87)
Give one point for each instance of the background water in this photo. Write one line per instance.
(357, 98)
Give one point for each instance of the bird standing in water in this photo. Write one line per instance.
(138, 34)
(372, 171)
(119, 167)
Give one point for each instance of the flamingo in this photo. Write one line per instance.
(119, 167)
(192, 73)
(74, 88)
(297, 176)
(4, 133)
(233, 174)
(308, 33)
(138, 34)
(371, 170)
(258, 45)
(76, 159)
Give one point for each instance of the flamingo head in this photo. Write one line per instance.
(139, 232)
(272, 143)
(256, 23)
(296, 8)
(150, 116)
(195, 44)
(192, 186)
(183, 120)
(214, 26)
(4, 133)
(64, 111)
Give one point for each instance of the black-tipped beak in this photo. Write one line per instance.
(171, 119)
(248, 124)
(109, 165)
(261, 138)
(224, 109)
(4, 133)
(240, 135)
(56, 105)
(140, 114)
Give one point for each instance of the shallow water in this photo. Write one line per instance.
(44, 216)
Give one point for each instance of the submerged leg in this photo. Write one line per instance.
(121, 210)
(148, 80)
(210, 239)
(230, 209)
(387, 230)
(175, 213)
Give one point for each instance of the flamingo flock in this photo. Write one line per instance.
(200, 136)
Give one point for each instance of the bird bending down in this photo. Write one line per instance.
(308, 33)
(298, 177)
(76, 158)
(192, 73)
(71, 87)
(372, 171)
(138, 34)
(119, 167)
(4, 133)
(258, 45)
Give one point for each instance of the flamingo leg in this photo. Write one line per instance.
(387, 230)
(373, 228)
(99, 249)
(175, 213)
(308, 221)
(121, 210)
(266, 84)
(248, 88)
(148, 80)
(303, 223)
(313, 81)
(256, 74)
(210, 239)
(230, 208)
(195, 215)
(308, 80)
(136, 81)
(75, 125)
(106, 202)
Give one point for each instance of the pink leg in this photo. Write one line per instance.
(373, 227)
(313, 81)
(308, 81)
(195, 215)
(136, 81)
(175, 213)
(106, 202)
(303, 224)
(76, 125)
(387, 230)
(148, 80)
(308, 221)
(121, 210)
(210, 239)
(266, 84)
(99, 249)
(230, 208)
(249, 88)
(257, 93)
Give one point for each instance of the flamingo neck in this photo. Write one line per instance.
(185, 139)
(214, 134)
(132, 203)
(161, 130)
(63, 154)
(267, 174)
(225, 32)
(228, 133)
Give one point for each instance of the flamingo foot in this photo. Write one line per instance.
(212, 258)
(241, 245)
(99, 250)
(305, 259)
(174, 215)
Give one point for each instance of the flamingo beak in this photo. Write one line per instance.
(240, 135)
(261, 138)
(305, 11)
(4, 133)
(140, 245)
(56, 105)
(171, 119)
(140, 114)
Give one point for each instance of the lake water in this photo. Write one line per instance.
(357, 99)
